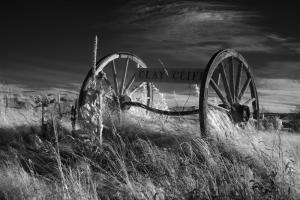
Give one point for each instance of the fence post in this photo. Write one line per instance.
(6, 100)
(43, 119)
(74, 116)
(6, 103)
(59, 108)
(295, 125)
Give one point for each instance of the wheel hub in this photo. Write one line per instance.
(240, 113)
(123, 100)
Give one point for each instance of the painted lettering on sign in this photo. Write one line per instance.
(172, 75)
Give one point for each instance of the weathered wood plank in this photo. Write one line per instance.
(177, 75)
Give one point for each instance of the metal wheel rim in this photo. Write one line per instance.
(104, 62)
(212, 65)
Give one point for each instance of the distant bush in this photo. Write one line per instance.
(271, 123)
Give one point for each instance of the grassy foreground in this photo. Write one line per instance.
(151, 157)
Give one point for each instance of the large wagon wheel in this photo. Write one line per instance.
(118, 86)
(228, 79)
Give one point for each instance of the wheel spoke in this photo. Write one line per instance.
(115, 77)
(149, 86)
(244, 88)
(217, 76)
(152, 92)
(225, 83)
(231, 78)
(238, 79)
(218, 107)
(218, 91)
(129, 83)
(249, 101)
(124, 77)
(136, 88)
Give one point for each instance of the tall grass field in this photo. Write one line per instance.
(140, 156)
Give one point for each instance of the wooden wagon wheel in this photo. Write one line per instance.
(227, 77)
(121, 88)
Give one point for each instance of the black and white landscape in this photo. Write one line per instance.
(70, 129)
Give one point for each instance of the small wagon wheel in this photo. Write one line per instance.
(119, 86)
(228, 79)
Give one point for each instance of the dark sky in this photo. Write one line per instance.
(50, 44)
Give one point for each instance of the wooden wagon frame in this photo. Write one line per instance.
(226, 67)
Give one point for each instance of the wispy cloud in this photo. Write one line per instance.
(280, 70)
(181, 33)
(189, 32)
(276, 37)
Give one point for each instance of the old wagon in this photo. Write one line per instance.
(227, 78)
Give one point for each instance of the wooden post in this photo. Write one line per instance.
(6, 103)
(76, 109)
(74, 116)
(95, 57)
(7, 96)
(295, 125)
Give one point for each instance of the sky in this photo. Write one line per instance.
(50, 43)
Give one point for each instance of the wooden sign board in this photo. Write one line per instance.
(178, 75)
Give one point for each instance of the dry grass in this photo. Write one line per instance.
(146, 157)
